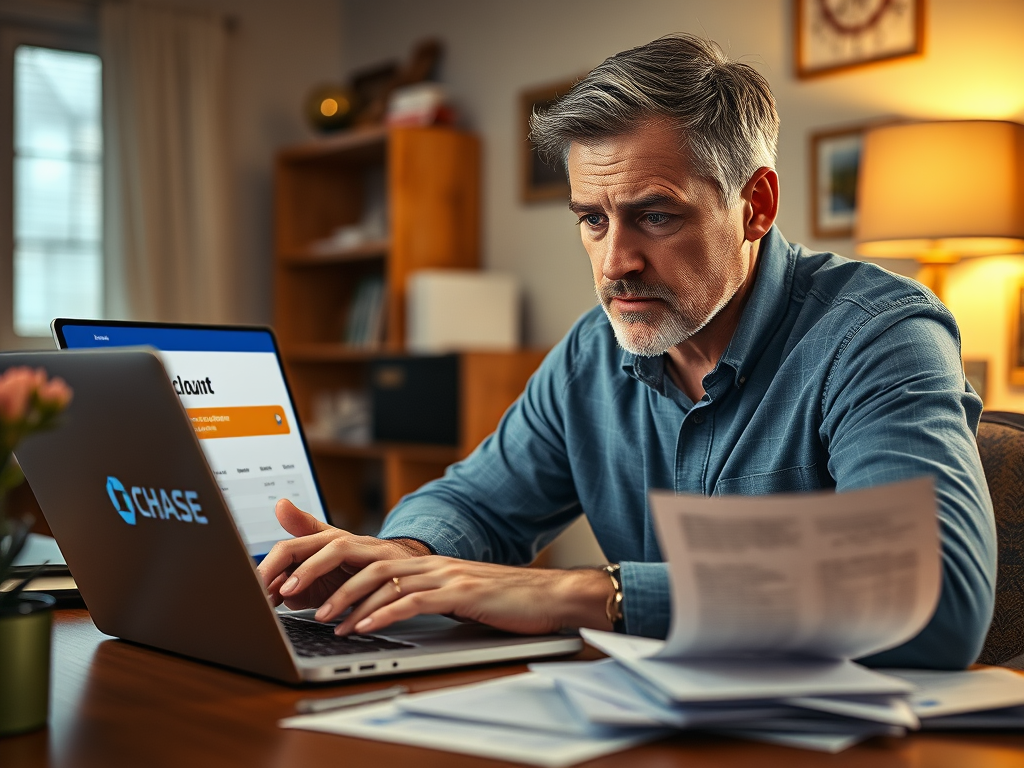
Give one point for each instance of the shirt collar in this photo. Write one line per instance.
(765, 309)
(649, 370)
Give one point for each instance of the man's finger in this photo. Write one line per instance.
(290, 552)
(386, 593)
(435, 601)
(345, 552)
(376, 576)
(297, 522)
(273, 588)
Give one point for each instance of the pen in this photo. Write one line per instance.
(312, 706)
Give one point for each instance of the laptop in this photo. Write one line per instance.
(162, 554)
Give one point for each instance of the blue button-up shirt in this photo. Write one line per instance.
(839, 375)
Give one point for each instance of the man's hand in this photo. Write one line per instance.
(386, 581)
(304, 571)
(524, 600)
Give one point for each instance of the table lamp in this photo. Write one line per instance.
(941, 191)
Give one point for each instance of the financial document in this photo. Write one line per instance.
(831, 575)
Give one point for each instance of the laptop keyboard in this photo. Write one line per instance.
(310, 638)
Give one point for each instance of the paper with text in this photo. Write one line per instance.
(743, 678)
(831, 575)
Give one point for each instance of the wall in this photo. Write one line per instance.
(970, 69)
(277, 52)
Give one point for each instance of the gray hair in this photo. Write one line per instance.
(724, 110)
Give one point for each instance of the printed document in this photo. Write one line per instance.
(832, 575)
(773, 596)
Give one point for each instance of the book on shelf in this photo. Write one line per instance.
(364, 326)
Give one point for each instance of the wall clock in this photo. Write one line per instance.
(833, 35)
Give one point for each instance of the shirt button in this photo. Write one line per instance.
(698, 418)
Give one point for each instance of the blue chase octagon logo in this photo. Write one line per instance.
(121, 500)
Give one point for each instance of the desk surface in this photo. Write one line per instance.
(116, 704)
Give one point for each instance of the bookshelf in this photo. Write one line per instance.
(428, 181)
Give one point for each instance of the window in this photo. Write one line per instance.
(58, 182)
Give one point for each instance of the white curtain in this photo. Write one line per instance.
(166, 208)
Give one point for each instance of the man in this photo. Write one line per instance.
(722, 360)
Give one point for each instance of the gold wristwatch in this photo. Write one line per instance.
(613, 608)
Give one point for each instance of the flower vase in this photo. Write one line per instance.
(25, 663)
(29, 403)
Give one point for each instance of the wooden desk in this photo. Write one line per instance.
(115, 704)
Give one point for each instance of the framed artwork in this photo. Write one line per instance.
(976, 372)
(834, 35)
(1017, 338)
(538, 180)
(835, 162)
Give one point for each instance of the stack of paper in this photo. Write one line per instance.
(816, 704)
(772, 599)
(565, 713)
(987, 698)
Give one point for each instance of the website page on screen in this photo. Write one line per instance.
(232, 387)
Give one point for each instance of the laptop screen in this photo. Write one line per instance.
(232, 386)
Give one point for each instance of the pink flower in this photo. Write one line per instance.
(55, 393)
(26, 397)
(16, 388)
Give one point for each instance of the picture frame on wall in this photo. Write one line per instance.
(540, 181)
(835, 164)
(1017, 337)
(836, 35)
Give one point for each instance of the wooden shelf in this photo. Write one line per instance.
(352, 144)
(437, 454)
(308, 257)
(431, 179)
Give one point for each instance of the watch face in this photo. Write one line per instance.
(832, 34)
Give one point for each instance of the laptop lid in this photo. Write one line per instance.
(146, 532)
(138, 515)
(232, 384)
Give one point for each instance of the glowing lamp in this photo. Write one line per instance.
(938, 192)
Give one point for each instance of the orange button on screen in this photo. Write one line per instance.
(244, 421)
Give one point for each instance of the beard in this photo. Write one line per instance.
(654, 331)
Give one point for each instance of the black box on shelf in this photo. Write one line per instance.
(416, 399)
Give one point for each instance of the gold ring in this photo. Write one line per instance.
(398, 587)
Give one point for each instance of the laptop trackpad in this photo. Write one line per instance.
(429, 623)
(419, 624)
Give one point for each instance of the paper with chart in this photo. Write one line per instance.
(833, 576)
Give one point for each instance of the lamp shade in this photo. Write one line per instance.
(940, 191)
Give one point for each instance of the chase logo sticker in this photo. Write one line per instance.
(158, 503)
(119, 497)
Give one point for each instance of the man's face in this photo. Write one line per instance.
(667, 255)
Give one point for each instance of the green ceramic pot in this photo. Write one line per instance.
(25, 663)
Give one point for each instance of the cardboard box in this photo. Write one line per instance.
(449, 310)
